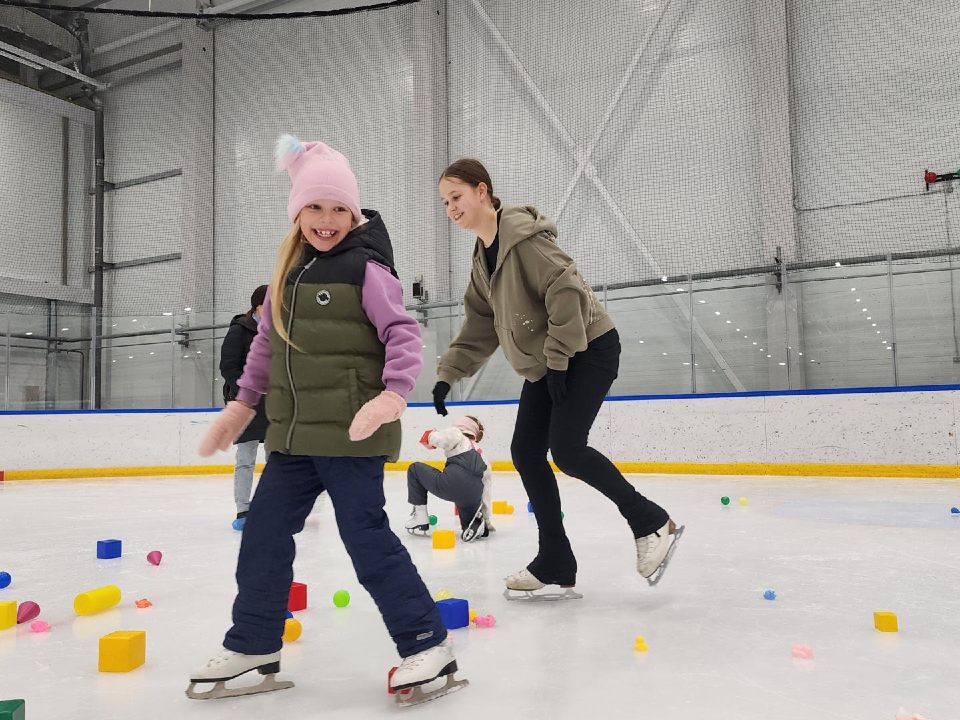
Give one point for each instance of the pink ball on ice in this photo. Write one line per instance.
(154, 557)
(39, 626)
(27, 611)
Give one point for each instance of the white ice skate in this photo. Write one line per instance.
(655, 550)
(522, 586)
(419, 521)
(229, 664)
(424, 667)
(476, 528)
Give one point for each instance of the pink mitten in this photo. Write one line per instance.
(230, 423)
(385, 407)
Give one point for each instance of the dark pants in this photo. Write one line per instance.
(564, 429)
(288, 488)
(461, 483)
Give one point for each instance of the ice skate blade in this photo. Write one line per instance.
(417, 696)
(419, 531)
(219, 690)
(531, 596)
(652, 581)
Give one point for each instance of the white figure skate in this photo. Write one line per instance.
(229, 664)
(425, 667)
(522, 586)
(654, 551)
(476, 528)
(419, 521)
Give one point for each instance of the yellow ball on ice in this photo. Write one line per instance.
(743, 501)
(292, 630)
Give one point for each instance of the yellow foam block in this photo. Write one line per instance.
(500, 507)
(123, 650)
(640, 645)
(443, 539)
(292, 630)
(8, 614)
(885, 621)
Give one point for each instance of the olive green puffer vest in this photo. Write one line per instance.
(318, 386)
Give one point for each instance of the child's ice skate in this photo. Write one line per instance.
(655, 550)
(522, 586)
(419, 521)
(229, 664)
(476, 528)
(424, 667)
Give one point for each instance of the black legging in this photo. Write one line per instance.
(564, 430)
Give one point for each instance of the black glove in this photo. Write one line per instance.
(440, 391)
(557, 385)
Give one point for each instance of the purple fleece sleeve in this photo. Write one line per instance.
(383, 303)
(256, 371)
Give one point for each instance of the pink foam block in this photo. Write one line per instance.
(803, 652)
(27, 611)
(39, 626)
(154, 557)
(485, 621)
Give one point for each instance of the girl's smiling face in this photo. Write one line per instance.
(463, 201)
(324, 223)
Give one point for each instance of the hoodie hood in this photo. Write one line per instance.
(517, 223)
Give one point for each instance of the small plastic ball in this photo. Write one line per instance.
(930, 177)
(433, 519)
(292, 629)
(955, 511)
(289, 614)
(529, 507)
(473, 615)
(154, 557)
(562, 515)
(743, 501)
(442, 594)
(341, 598)
(769, 595)
(39, 626)
(725, 500)
(4, 579)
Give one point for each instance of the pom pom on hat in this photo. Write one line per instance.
(289, 149)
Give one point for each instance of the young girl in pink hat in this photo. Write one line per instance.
(335, 355)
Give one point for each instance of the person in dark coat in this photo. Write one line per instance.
(233, 356)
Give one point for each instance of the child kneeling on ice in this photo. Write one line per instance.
(464, 481)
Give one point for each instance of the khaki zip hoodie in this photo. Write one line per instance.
(536, 306)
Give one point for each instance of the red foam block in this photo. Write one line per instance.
(298, 597)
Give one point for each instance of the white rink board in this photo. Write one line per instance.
(898, 428)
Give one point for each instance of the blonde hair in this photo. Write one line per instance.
(290, 252)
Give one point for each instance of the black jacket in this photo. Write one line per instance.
(233, 355)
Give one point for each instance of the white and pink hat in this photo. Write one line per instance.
(317, 172)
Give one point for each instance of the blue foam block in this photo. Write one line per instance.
(108, 549)
(454, 612)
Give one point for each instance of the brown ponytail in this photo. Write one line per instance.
(472, 172)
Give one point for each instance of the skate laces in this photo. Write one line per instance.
(646, 545)
(224, 656)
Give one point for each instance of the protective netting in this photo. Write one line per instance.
(666, 137)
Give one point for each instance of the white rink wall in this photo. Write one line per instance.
(892, 428)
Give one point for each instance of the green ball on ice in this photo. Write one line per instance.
(433, 519)
(341, 598)
(725, 500)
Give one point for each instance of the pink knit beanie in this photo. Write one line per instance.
(467, 425)
(317, 172)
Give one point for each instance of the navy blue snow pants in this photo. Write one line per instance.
(288, 488)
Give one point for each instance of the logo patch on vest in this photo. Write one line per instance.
(323, 297)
